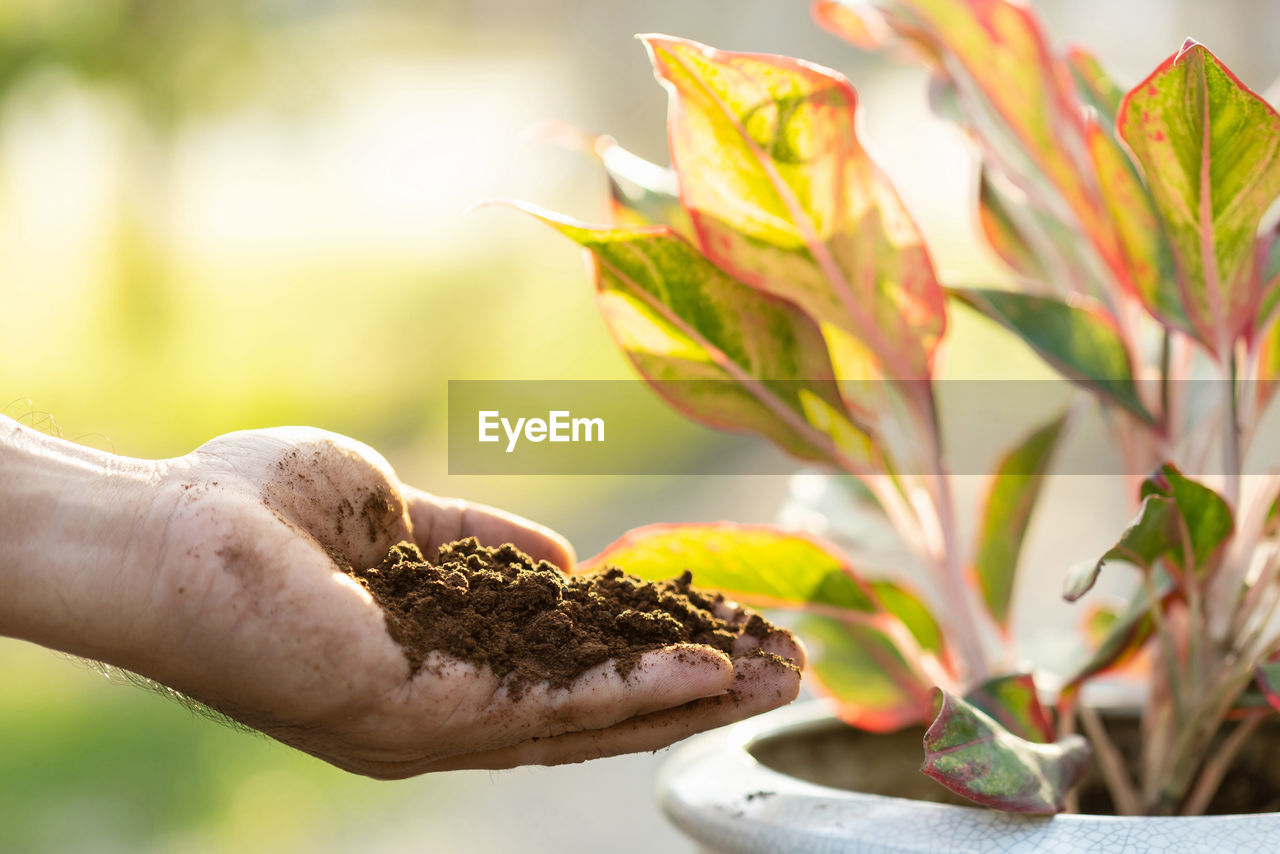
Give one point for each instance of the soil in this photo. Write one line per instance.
(1252, 784)
(530, 623)
(888, 764)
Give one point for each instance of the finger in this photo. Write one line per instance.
(668, 678)
(759, 633)
(761, 683)
(437, 521)
(661, 679)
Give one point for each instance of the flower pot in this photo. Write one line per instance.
(718, 793)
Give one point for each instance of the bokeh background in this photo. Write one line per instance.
(224, 215)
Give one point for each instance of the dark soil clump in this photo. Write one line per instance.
(530, 623)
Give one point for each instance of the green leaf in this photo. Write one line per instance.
(718, 351)
(784, 197)
(1269, 265)
(1149, 536)
(909, 608)
(870, 666)
(999, 218)
(971, 754)
(1098, 623)
(753, 565)
(1171, 505)
(1127, 633)
(1080, 343)
(1148, 257)
(1210, 151)
(1147, 253)
(1206, 514)
(862, 636)
(1095, 85)
(1010, 500)
(1014, 703)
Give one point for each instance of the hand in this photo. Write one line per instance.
(246, 611)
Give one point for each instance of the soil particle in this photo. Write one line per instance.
(530, 623)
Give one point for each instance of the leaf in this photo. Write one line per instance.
(1080, 343)
(1210, 151)
(716, 350)
(640, 192)
(1127, 633)
(870, 667)
(999, 221)
(1098, 623)
(971, 754)
(1206, 514)
(910, 609)
(1149, 536)
(784, 197)
(1268, 348)
(1093, 83)
(861, 652)
(857, 24)
(1015, 704)
(1269, 264)
(1267, 674)
(1020, 105)
(1171, 505)
(753, 565)
(1147, 253)
(1011, 497)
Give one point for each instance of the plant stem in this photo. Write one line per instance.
(1195, 610)
(950, 570)
(1168, 651)
(1231, 461)
(1216, 767)
(1166, 354)
(1124, 794)
(1184, 757)
(962, 616)
(966, 614)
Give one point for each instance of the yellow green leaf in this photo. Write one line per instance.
(871, 644)
(784, 197)
(715, 349)
(751, 564)
(1210, 151)
(1012, 496)
(1020, 104)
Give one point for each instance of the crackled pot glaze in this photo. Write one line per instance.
(718, 794)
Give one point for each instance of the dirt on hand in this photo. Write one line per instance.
(530, 623)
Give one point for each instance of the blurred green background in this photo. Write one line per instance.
(224, 215)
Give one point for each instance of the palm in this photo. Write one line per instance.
(264, 629)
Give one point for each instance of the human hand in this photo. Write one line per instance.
(246, 611)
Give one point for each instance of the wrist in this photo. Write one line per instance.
(78, 535)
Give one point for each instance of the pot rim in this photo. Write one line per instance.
(718, 793)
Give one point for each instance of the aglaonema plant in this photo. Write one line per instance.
(773, 281)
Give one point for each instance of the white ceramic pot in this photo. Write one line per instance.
(718, 794)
